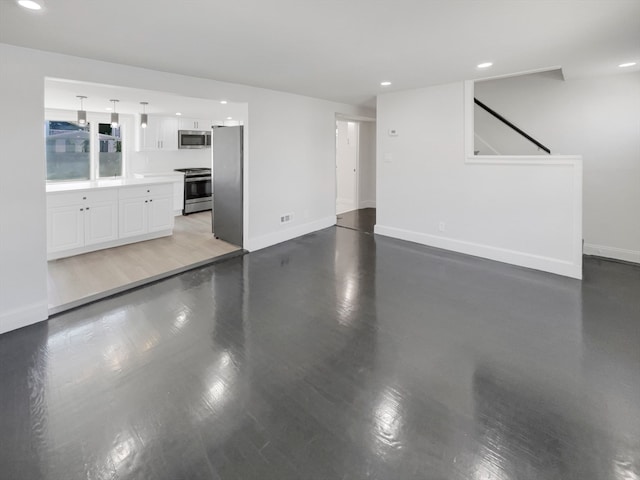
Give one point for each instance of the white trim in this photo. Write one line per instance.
(113, 243)
(354, 118)
(524, 72)
(367, 204)
(270, 239)
(558, 160)
(612, 252)
(537, 262)
(23, 316)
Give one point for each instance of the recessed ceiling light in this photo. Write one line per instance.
(223, 102)
(178, 113)
(628, 64)
(30, 4)
(485, 65)
(385, 84)
(108, 109)
(229, 118)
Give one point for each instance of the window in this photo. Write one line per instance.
(110, 156)
(83, 152)
(68, 151)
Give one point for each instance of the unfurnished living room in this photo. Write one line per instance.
(297, 239)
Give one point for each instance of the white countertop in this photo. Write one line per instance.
(121, 182)
(172, 175)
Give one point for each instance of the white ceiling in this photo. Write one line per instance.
(336, 49)
(61, 94)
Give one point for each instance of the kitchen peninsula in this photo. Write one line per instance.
(93, 215)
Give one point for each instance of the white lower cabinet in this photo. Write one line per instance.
(133, 217)
(77, 219)
(145, 209)
(65, 228)
(100, 223)
(86, 220)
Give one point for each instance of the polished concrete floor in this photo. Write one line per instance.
(338, 355)
(362, 220)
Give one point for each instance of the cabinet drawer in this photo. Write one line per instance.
(147, 190)
(65, 199)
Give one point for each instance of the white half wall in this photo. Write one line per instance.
(599, 118)
(518, 210)
(289, 162)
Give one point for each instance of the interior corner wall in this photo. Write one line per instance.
(518, 211)
(289, 162)
(23, 260)
(599, 118)
(367, 165)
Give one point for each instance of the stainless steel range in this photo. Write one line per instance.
(197, 190)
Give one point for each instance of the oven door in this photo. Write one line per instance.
(197, 188)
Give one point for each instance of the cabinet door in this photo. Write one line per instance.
(100, 222)
(187, 124)
(169, 133)
(132, 218)
(148, 138)
(160, 213)
(65, 228)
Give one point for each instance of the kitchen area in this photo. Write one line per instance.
(140, 185)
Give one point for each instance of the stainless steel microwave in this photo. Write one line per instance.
(194, 139)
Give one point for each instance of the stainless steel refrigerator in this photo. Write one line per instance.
(227, 212)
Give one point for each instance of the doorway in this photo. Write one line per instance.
(346, 166)
(356, 173)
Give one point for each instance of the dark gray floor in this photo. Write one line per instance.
(338, 355)
(363, 220)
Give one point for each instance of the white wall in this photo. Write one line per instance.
(367, 165)
(290, 162)
(515, 210)
(599, 118)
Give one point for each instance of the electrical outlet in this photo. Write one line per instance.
(286, 218)
(442, 227)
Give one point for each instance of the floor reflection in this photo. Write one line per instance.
(338, 355)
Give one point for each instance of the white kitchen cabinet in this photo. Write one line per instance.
(193, 124)
(161, 134)
(84, 220)
(65, 228)
(145, 209)
(160, 213)
(132, 217)
(78, 219)
(100, 222)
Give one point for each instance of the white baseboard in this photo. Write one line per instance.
(523, 259)
(368, 204)
(285, 234)
(612, 252)
(114, 243)
(22, 317)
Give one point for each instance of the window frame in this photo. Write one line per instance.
(93, 119)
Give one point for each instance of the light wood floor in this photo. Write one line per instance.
(76, 280)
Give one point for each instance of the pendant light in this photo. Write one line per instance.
(82, 114)
(144, 118)
(115, 118)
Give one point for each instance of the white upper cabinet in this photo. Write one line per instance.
(193, 124)
(161, 134)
